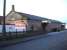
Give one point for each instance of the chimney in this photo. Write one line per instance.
(13, 9)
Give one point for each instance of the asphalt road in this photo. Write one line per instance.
(54, 41)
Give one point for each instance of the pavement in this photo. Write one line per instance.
(50, 41)
(5, 43)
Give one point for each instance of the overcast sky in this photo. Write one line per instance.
(53, 9)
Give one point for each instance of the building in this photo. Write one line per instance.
(31, 22)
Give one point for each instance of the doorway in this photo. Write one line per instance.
(44, 26)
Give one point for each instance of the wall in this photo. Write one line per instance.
(35, 24)
(52, 26)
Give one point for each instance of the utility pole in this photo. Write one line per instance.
(4, 12)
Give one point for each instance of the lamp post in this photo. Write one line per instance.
(4, 10)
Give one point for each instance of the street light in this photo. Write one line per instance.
(4, 10)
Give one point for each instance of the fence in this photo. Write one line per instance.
(12, 28)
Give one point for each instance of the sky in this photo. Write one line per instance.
(52, 9)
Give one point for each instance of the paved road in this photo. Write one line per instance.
(54, 41)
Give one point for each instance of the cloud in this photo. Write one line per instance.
(54, 9)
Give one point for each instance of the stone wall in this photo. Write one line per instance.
(34, 25)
